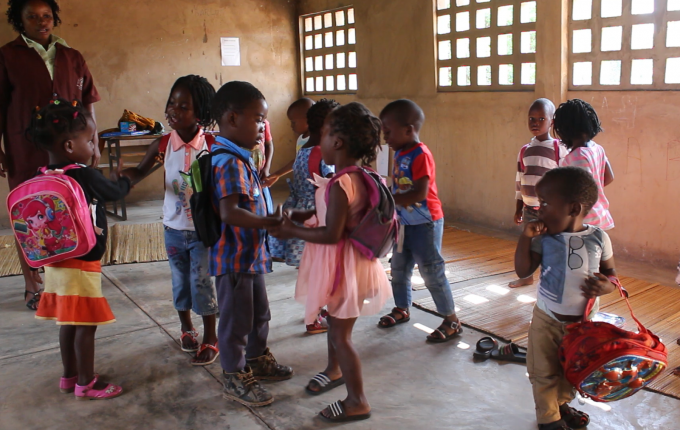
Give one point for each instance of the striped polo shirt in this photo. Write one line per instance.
(239, 250)
(538, 158)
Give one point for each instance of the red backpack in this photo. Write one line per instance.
(607, 363)
(556, 147)
(314, 162)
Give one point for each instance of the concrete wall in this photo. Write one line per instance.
(475, 137)
(136, 50)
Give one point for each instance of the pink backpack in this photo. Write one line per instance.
(51, 218)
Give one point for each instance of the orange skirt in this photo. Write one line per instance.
(73, 294)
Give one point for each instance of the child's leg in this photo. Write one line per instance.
(203, 295)
(84, 348)
(402, 270)
(340, 335)
(543, 365)
(179, 259)
(67, 339)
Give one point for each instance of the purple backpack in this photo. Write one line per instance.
(377, 232)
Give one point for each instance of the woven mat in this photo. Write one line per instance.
(130, 243)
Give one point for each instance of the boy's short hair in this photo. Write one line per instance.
(234, 95)
(304, 102)
(548, 105)
(405, 112)
(574, 185)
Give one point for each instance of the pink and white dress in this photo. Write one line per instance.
(363, 287)
(593, 159)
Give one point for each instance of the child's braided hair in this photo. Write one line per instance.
(318, 112)
(202, 94)
(16, 8)
(359, 129)
(574, 119)
(56, 123)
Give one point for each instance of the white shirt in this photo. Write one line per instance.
(301, 141)
(48, 55)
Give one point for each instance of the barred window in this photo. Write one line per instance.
(329, 59)
(624, 45)
(485, 45)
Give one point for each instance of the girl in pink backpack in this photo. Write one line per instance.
(73, 293)
(333, 272)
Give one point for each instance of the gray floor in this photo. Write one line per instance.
(409, 383)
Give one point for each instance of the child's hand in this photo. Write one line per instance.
(269, 180)
(597, 285)
(518, 218)
(277, 215)
(283, 230)
(534, 229)
(116, 174)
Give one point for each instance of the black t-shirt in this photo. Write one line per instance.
(97, 187)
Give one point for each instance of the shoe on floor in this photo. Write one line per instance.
(242, 387)
(265, 367)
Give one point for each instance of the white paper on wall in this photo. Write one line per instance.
(383, 162)
(231, 51)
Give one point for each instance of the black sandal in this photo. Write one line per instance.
(324, 382)
(556, 425)
(575, 419)
(440, 336)
(336, 414)
(390, 320)
(33, 303)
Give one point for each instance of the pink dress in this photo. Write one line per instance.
(363, 288)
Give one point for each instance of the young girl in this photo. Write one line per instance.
(577, 264)
(302, 192)
(350, 137)
(188, 113)
(576, 123)
(73, 293)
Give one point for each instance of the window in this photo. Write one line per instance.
(486, 45)
(329, 60)
(624, 44)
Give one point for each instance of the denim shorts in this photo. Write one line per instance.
(192, 287)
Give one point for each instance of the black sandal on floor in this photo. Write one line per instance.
(575, 419)
(324, 383)
(336, 414)
(390, 320)
(33, 303)
(556, 425)
(440, 335)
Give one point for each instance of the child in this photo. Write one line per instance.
(421, 218)
(262, 157)
(350, 137)
(297, 115)
(535, 158)
(576, 124)
(73, 292)
(188, 113)
(577, 264)
(240, 258)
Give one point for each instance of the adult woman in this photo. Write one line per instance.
(35, 68)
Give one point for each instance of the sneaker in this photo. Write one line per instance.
(242, 387)
(265, 367)
(320, 325)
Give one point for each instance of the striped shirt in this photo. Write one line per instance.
(239, 250)
(538, 157)
(593, 159)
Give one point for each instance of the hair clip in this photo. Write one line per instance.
(75, 114)
(37, 108)
(75, 103)
(38, 116)
(56, 102)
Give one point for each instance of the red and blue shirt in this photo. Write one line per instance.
(239, 250)
(409, 166)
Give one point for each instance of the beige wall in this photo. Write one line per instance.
(475, 137)
(136, 50)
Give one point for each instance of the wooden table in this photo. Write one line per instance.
(113, 146)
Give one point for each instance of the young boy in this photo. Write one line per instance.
(297, 115)
(421, 218)
(577, 264)
(535, 158)
(240, 258)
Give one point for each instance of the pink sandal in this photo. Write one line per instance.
(67, 385)
(193, 334)
(202, 348)
(86, 392)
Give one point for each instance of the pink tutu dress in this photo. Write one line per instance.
(363, 287)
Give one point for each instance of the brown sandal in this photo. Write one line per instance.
(439, 335)
(390, 320)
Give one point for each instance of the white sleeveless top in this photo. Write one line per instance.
(176, 208)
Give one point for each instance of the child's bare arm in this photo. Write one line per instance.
(526, 260)
(608, 174)
(519, 205)
(299, 215)
(416, 194)
(136, 174)
(599, 284)
(233, 215)
(271, 179)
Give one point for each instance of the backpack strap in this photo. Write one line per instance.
(556, 147)
(521, 157)
(209, 140)
(163, 148)
(43, 170)
(614, 280)
(314, 162)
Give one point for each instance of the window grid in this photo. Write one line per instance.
(492, 45)
(328, 46)
(625, 52)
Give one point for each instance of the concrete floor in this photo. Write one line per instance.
(409, 383)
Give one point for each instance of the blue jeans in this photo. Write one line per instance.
(422, 245)
(192, 288)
